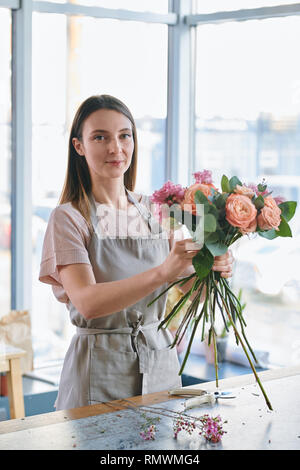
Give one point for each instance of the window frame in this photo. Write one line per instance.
(180, 126)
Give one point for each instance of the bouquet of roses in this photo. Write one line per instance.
(216, 219)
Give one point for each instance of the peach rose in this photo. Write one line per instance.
(250, 228)
(269, 216)
(188, 199)
(241, 212)
(244, 190)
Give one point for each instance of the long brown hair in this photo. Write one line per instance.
(78, 184)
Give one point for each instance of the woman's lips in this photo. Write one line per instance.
(115, 162)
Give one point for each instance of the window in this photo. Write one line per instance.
(155, 6)
(248, 124)
(93, 56)
(246, 100)
(5, 160)
(219, 5)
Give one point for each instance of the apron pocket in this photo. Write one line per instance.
(113, 375)
(163, 372)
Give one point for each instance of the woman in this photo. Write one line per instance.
(107, 281)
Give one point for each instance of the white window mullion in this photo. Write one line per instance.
(13, 4)
(180, 98)
(21, 193)
(100, 12)
(244, 15)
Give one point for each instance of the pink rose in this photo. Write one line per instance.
(244, 190)
(241, 212)
(189, 201)
(269, 216)
(250, 228)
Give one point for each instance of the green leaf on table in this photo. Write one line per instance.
(288, 209)
(203, 262)
(233, 182)
(225, 184)
(217, 248)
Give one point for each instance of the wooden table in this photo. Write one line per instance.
(115, 425)
(10, 363)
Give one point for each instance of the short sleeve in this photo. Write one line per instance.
(65, 242)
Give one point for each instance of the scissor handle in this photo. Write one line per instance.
(196, 401)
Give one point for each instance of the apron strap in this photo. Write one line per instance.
(153, 225)
(137, 333)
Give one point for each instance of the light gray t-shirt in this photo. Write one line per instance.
(67, 237)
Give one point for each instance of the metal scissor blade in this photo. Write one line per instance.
(187, 391)
(227, 394)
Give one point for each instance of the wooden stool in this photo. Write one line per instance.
(10, 363)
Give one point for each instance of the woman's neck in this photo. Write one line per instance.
(112, 193)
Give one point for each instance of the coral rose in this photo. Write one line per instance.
(269, 216)
(250, 228)
(244, 190)
(241, 212)
(189, 200)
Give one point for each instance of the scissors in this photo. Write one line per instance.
(201, 396)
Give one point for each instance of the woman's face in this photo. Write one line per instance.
(107, 143)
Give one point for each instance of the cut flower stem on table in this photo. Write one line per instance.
(216, 220)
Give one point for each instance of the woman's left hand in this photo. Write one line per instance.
(224, 264)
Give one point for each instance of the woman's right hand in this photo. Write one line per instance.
(179, 259)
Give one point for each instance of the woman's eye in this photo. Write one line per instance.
(126, 136)
(99, 137)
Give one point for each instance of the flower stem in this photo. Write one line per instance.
(248, 357)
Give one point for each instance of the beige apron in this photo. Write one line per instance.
(123, 354)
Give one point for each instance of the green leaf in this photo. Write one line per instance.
(216, 249)
(203, 262)
(211, 237)
(284, 229)
(220, 201)
(233, 182)
(200, 198)
(288, 209)
(261, 187)
(259, 202)
(210, 223)
(269, 234)
(225, 184)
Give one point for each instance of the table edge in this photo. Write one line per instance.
(55, 417)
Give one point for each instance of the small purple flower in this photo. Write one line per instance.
(203, 177)
(212, 428)
(149, 434)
